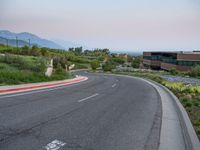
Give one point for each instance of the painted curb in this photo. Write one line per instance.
(42, 86)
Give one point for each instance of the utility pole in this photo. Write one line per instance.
(7, 43)
(29, 42)
(17, 42)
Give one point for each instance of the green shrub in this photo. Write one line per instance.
(188, 104)
(189, 109)
(11, 75)
(94, 65)
(196, 103)
(136, 62)
(195, 71)
(198, 130)
(196, 122)
(2, 66)
(25, 62)
(118, 60)
(59, 70)
(173, 71)
(108, 66)
(79, 60)
(81, 66)
(17, 77)
(184, 100)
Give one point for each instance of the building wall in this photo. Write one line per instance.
(151, 62)
(190, 57)
(184, 68)
(146, 53)
(147, 62)
(166, 66)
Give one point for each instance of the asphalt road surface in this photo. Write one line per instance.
(103, 113)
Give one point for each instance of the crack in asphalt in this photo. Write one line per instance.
(10, 132)
(153, 139)
(7, 132)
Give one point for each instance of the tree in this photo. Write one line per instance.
(106, 51)
(129, 58)
(118, 60)
(59, 70)
(173, 71)
(136, 62)
(94, 65)
(24, 50)
(59, 61)
(71, 49)
(108, 66)
(44, 51)
(35, 51)
(88, 52)
(195, 71)
(78, 50)
(34, 47)
(25, 47)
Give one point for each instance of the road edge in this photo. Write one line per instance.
(190, 137)
(40, 86)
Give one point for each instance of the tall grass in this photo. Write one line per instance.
(37, 64)
(16, 69)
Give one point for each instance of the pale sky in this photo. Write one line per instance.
(115, 24)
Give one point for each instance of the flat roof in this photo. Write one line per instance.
(175, 52)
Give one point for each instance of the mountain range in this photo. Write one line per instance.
(24, 37)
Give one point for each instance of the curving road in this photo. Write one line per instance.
(103, 113)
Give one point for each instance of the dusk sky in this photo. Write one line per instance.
(116, 24)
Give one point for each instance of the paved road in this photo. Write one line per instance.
(102, 113)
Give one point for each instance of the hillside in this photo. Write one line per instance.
(23, 39)
(12, 42)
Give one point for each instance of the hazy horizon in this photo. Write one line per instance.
(127, 25)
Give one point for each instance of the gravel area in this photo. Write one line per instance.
(185, 80)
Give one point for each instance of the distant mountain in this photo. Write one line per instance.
(66, 44)
(23, 39)
(12, 42)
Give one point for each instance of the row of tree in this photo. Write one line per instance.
(94, 57)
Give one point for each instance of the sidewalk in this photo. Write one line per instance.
(36, 86)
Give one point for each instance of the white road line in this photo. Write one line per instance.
(114, 85)
(94, 95)
(54, 145)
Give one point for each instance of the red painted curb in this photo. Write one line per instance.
(43, 86)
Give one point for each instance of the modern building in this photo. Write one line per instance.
(182, 61)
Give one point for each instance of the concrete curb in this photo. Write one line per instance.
(76, 70)
(190, 137)
(38, 86)
(191, 141)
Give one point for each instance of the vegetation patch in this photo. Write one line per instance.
(18, 69)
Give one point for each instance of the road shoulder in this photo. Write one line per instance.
(177, 131)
